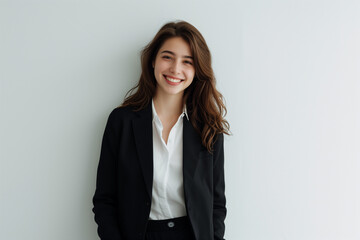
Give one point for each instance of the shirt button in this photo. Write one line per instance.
(171, 224)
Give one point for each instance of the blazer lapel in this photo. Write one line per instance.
(191, 149)
(142, 127)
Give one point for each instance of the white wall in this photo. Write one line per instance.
(289, 71)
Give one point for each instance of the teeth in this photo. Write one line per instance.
(173, 80)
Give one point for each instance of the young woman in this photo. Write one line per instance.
(161, 168)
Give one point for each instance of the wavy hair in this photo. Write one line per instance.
(204, 103)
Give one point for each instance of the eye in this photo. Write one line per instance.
(166, 57)
(188, 62)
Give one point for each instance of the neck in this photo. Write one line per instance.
(168, 105)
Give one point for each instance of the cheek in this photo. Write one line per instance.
(157, 70)
(191, 74)
(190, 78)
(160, 66)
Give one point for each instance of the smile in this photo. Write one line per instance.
(173, 81)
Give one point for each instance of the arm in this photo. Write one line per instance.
(104, 199)
(219, 205)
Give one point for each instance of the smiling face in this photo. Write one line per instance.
(173, 67)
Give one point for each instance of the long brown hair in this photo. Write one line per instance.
(205, 105)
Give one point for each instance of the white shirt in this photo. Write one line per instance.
(168, 189)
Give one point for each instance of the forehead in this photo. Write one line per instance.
(176, 45)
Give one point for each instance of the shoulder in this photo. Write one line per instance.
(218, 143)
(218, 140)
(121, 115)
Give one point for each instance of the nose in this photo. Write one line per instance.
(175, 67)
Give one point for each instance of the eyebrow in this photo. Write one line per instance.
(170, 52)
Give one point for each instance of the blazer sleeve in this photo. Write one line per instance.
(219, 205)
(105, 197)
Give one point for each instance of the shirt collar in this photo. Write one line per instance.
(184, 113)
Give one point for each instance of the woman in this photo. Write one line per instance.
(161, 168)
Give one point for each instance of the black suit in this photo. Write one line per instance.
(122, 198)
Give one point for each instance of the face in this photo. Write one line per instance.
(173, 67)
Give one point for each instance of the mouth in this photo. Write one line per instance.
(173, 80)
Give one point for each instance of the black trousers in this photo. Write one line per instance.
(170, 229)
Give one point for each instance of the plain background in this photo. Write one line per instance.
(289, 71)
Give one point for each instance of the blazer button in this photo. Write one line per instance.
(147, 203)
(171, 224)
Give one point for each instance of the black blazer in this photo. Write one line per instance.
(122, 199)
